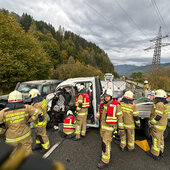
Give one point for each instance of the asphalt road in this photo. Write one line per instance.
(86, 153)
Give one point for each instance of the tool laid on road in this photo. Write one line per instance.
(47, 154)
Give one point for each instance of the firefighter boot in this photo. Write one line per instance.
(101, 165)
(153, 156)
(37, 147)
(76, 139)
(161, 155)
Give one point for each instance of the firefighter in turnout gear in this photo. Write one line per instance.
(130, 118)
(158, 123)
(42, 141)
(111, 117)
(82, 105)
(68, 125)
(146, 85)
(16, 117)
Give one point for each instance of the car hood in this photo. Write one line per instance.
(4, 97)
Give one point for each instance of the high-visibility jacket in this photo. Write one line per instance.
(111, 117)
(68, 122)
(84, 100)
(15, 121)
(41, 105)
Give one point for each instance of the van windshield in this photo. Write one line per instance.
(25, 88)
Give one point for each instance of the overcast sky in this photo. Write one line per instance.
(122, 28)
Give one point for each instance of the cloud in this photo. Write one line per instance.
(122, 28)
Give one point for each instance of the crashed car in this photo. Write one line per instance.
(44, 86)
(64, 99)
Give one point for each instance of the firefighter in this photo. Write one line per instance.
(158, 123)
(68, 126)
(42, 141)
(130, 118)
(146, 85)
(82, 105)
(16, 116)
(110, 115)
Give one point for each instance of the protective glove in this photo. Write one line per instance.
(138, 125)
(121, 132)
(28, 123)
(75, 113)
(41, 117)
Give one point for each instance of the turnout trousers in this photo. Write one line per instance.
(157, 141)
(80, 125)
(25, 144)
(128, 139)
(42, 138)
(106, 132)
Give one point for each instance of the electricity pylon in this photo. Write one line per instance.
(157, 49)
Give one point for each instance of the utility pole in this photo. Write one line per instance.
(157, 49)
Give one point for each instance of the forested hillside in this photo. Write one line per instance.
(32, 50)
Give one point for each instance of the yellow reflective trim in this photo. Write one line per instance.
(82, 114)
(131, 144)
(68, 133)
(39, 123)
(33, 116)
(46, 145)
(119, 113)
(123, 142)
(155, 148)
(14, 114)
(107, 128)
(125, 105)
(157, 111)
(18, 139)
(135, 112)
(121, 124)
(16, 117)
(129, 126)
(160, 127)
(77, 130)
(153, 121)
(37, 141)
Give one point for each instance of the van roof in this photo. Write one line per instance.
(72, 81)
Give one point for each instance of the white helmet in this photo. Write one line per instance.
(69, 112)
(33, 93)
(81, 87)
(160, 93)
(15, 96)
(108, 92)
(145, 82)
(128, 95)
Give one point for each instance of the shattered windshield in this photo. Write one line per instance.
(25, 88)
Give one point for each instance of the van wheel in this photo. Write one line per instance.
(147, 131)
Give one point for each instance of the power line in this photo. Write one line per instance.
(105, 18)
(159, 14)
(130, 18)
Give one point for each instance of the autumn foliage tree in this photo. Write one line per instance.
(21, 56)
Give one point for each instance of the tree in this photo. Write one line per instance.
(21, 56)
